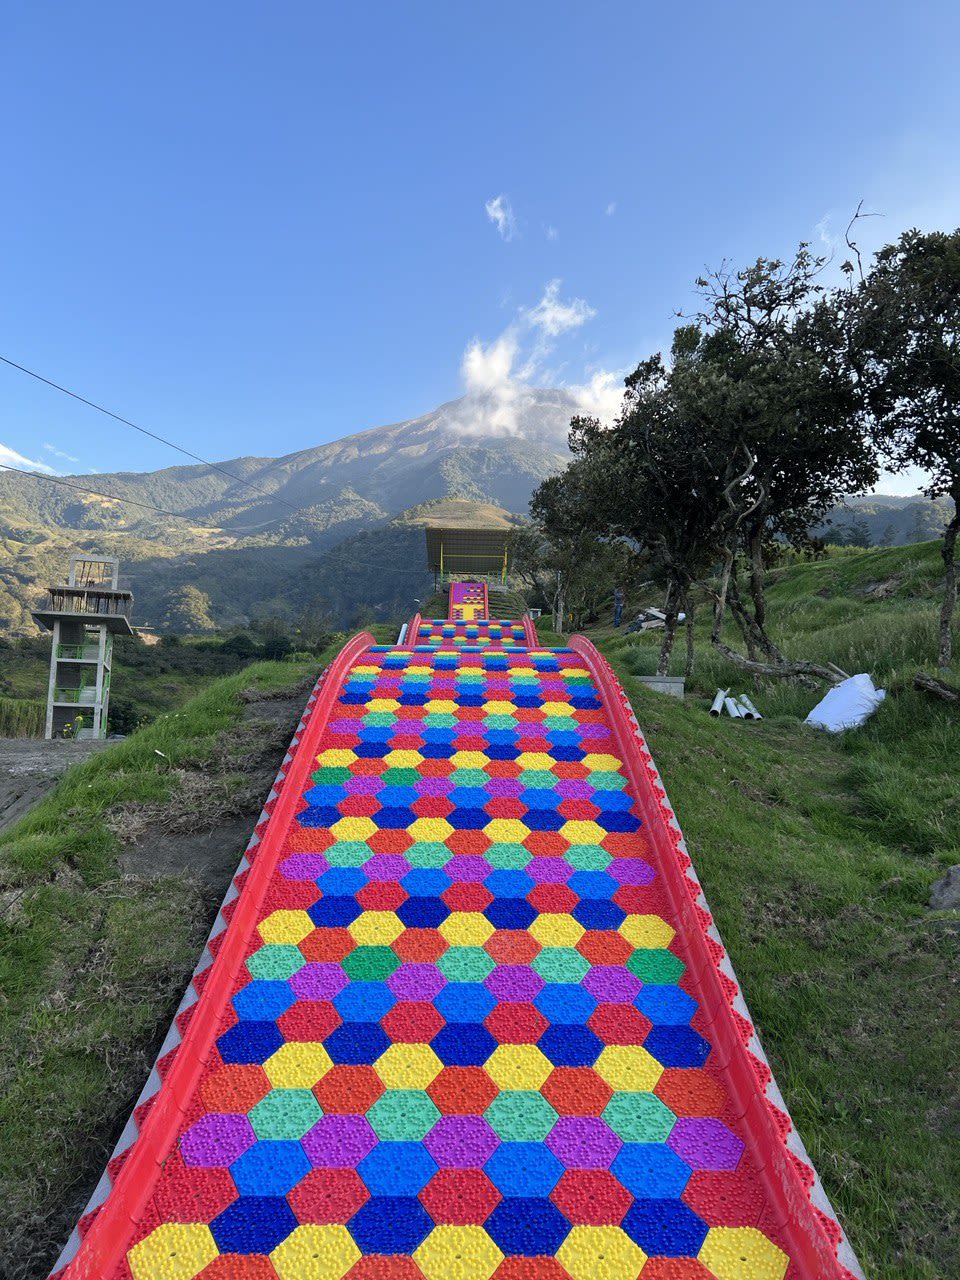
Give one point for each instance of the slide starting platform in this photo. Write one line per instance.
(464, 1014)
(468, 600)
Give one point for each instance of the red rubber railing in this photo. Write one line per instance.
(811, 1251)
(105, 1244)
(530, 632)
(413, 631)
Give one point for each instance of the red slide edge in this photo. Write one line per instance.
(530, 632)
(106, 1241)
(812, 1250)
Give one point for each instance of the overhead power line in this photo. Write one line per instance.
(144, 432)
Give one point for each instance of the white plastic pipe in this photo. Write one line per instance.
(734, 710)
(750, 712)
(403, 634)
(717, 705)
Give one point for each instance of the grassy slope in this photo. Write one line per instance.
(93, 964)
(816, 854)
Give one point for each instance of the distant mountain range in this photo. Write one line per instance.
(888, 521)
(334, 531)
(293, 542)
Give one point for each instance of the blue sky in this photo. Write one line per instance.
(254, 228)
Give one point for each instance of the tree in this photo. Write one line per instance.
(768, 375)
(908, 326)
(561, 558)
(188, 612)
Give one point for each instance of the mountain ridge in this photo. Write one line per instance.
(315, 498)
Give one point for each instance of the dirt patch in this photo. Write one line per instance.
(29, 767)
(181, 855)
(880, 590)
(204, 827)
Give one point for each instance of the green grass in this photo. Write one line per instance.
(93, 964)
(817, 853)
(21, 718)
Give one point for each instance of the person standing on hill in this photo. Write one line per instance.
(617, 604)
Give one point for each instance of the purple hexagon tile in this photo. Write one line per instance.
(216, 1140)
(583, 1142)
(339, 1142)
(461, 1142)
(706, 1144)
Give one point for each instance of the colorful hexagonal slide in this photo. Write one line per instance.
(464, 1014)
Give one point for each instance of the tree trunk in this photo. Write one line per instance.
(758, 580)
(801, 671)
(804, 672)
(688, 610)
(670, 607)
(948, 551)
(939, 688)
(740, 616)
(558, 605)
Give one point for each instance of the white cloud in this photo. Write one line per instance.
(553, 317)
(498, 376)
(611, 208)
(485, 369)
(902, 484)
(58, 453)
(828, 239)
(602, 396)
(500, 212)
(496, 393)
(551, 232)
(10, 458)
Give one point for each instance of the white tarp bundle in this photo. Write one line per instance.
(847, 705)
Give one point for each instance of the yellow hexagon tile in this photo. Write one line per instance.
(535, 760)
(297, 1066)
(518, 1066)
(403, 759)
(376, 928)
(336, 757)
(557, 930)
(383, 704)
(499, 708)
(315, 1253)
(174, 1251)
(354, 828)
(742, 1253)
(601, 763)
(460, 1253)
(466, 929)
(647, 931)
(430, 830)
(408, 1066)
(441, 707)
(285, 926)
(583, 832)
(469, 759)
(506, 830)
(557, 709)
(628, 1069)
(600, 1253)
